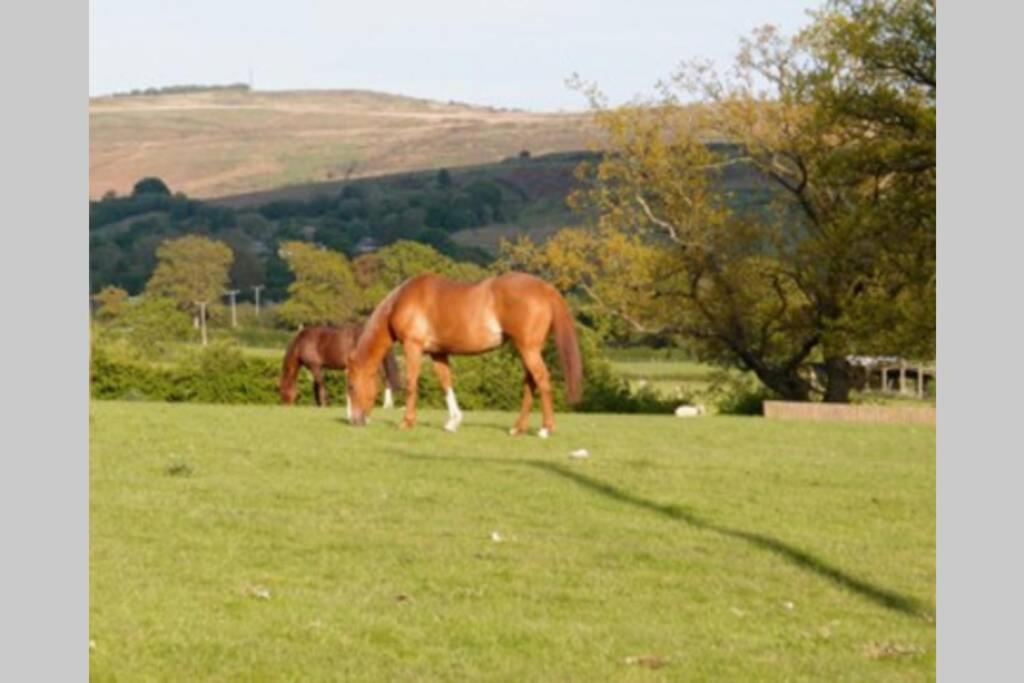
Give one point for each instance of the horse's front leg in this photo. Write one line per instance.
(413, 355)
(444, 376)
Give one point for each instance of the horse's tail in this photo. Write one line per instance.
(568, 348)
(290, 370)
(391, 374)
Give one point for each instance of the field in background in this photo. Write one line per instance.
(231, 542)
(210, 144)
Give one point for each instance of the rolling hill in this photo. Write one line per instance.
(334, 167)
(230, 142)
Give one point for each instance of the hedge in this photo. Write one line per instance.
(218, 374)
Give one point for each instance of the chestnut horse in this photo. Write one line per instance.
(439, 317)
(326, 347)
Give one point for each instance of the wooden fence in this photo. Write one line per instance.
(788, 410)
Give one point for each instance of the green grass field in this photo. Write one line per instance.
(266, 543)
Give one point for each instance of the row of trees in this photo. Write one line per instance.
(327, 286)
(126, 231)
(840, 122)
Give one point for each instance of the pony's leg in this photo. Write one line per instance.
(319, 388)
(444, 376)
(413, 355)
(389, 398)
(535, 364)
(529, 386)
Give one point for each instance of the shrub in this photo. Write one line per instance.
(220, 373)
(733, 394)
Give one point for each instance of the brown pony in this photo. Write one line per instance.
(433, 315)
(326, 347)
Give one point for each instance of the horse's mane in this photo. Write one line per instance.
(379, 318)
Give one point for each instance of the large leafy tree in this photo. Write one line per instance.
(835, 131)
(324, 289)
(190, 269)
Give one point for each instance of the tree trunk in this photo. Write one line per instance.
(789, 385)
(838, 380)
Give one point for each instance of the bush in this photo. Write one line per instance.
(222, 374)
(733, 394)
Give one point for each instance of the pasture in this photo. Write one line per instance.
(269, 543)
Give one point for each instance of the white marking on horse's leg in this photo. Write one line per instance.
(454, 414)
(389, 400)
(543, 432)
(348, 407)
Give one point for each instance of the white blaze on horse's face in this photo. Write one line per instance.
(454, 414)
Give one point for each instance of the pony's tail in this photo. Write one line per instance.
(290, 370)
(391, 374)
(568, 349)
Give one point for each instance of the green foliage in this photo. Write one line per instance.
(110, 302)
(837, 127)
(190, 269)
(216, 374)
(734, 394)
(125, 231)
(145, 327)
(151, 186)
(220, 373)
(324, 289)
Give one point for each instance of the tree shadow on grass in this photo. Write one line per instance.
(882, 597)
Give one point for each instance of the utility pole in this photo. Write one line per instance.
(202, 319)
(256, 289)
(234, 318)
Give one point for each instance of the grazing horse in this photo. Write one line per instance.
(325, 346)
(439, 317)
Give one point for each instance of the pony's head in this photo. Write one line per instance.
(289, 392)
(363, 386)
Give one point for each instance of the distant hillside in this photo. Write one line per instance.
(228, 142)
(461, 212)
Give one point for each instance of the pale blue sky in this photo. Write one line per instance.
(511, 54)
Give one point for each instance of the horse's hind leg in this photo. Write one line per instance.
(444, 376)
(535, 365)
(529, 386)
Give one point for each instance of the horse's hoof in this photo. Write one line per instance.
(543, 433)
(405, 424)
(515, 431)
(451, 426)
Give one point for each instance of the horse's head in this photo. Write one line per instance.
(289, 392)
(363, 385)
